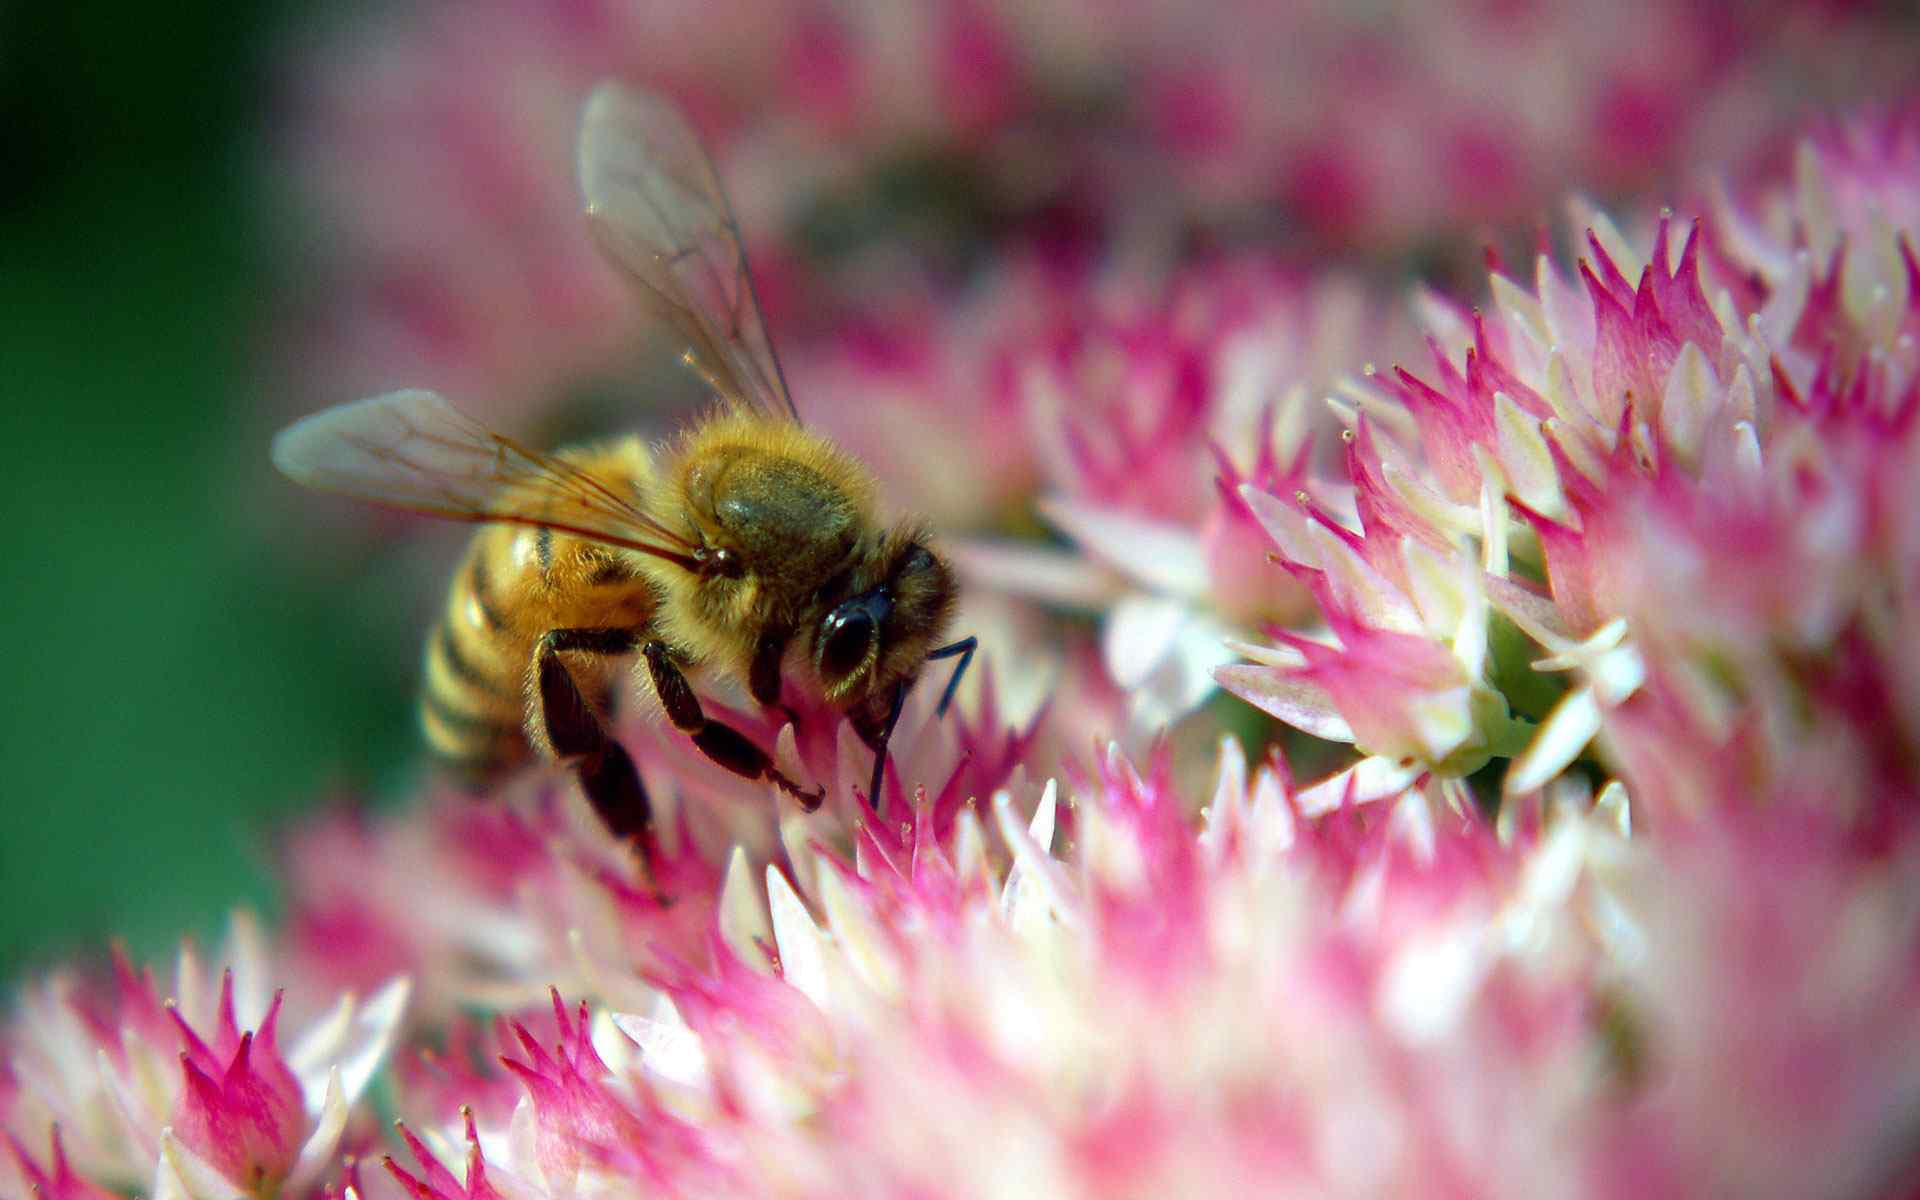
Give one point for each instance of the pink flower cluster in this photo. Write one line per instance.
(1601, 591)
(119, 1084)
(430, 214)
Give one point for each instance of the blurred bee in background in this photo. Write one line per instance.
(749, 547)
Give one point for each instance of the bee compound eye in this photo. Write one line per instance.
(846, 639)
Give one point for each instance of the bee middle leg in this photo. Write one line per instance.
(598, 760)
(720, 742)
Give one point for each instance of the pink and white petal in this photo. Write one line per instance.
(1536, 615)
(1369, 780)
(1155, 554)
(1038, 572)
(1305, 706)
(669, 1049)
(183, 1175)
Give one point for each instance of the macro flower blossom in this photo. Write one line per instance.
(1609, 583)
(1114, 1021)
(432, 215)
(1705, 489)
(1123, 1003)
(1122, 410)
(186, 1091)
(495, 904)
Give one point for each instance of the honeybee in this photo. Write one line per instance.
(748, 548)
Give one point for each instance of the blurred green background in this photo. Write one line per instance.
(170, 690)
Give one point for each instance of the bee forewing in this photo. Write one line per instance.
(413, 450)
(393, 447)
(657, 208)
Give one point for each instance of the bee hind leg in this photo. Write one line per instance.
(574, 731)
(720, 742)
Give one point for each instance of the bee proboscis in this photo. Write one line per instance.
(749, 547)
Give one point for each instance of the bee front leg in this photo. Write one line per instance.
(720, 742)
(763, 674)
(574, 732)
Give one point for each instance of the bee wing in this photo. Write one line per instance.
(656, 207)
(413, 450)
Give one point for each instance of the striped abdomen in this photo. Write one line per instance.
(514, 585)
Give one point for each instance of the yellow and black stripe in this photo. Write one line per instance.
(471, 700)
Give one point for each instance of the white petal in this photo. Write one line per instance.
(373, 1032)
(249, 957)
(1182, 679)
(136, 1114)
(1361, 588)
(1269, 814)
(1588, 653)
(1428, 984)
(1020, 900)
(1139, 633)
(798, 832)
(1040, 873)
(1059, 577)
(786, 755)
(1692, 397)
(1440, 586)
(1371, 779)
(1226, 816)
(1618, 674)
(1560, 739)
(1268, 656)
(1815, 206)
(317, 1155)
(856, 934)
(1284, 523)
(1525, 458)
(1441, 720)
(1157, 554)
(1520, 306)
(184, 1175)
(668, 1048)
(742, 917)
(1613, 807)
(802, 947)
(311, 1058)
(970, 847)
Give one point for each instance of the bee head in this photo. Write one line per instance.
(880, 634)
